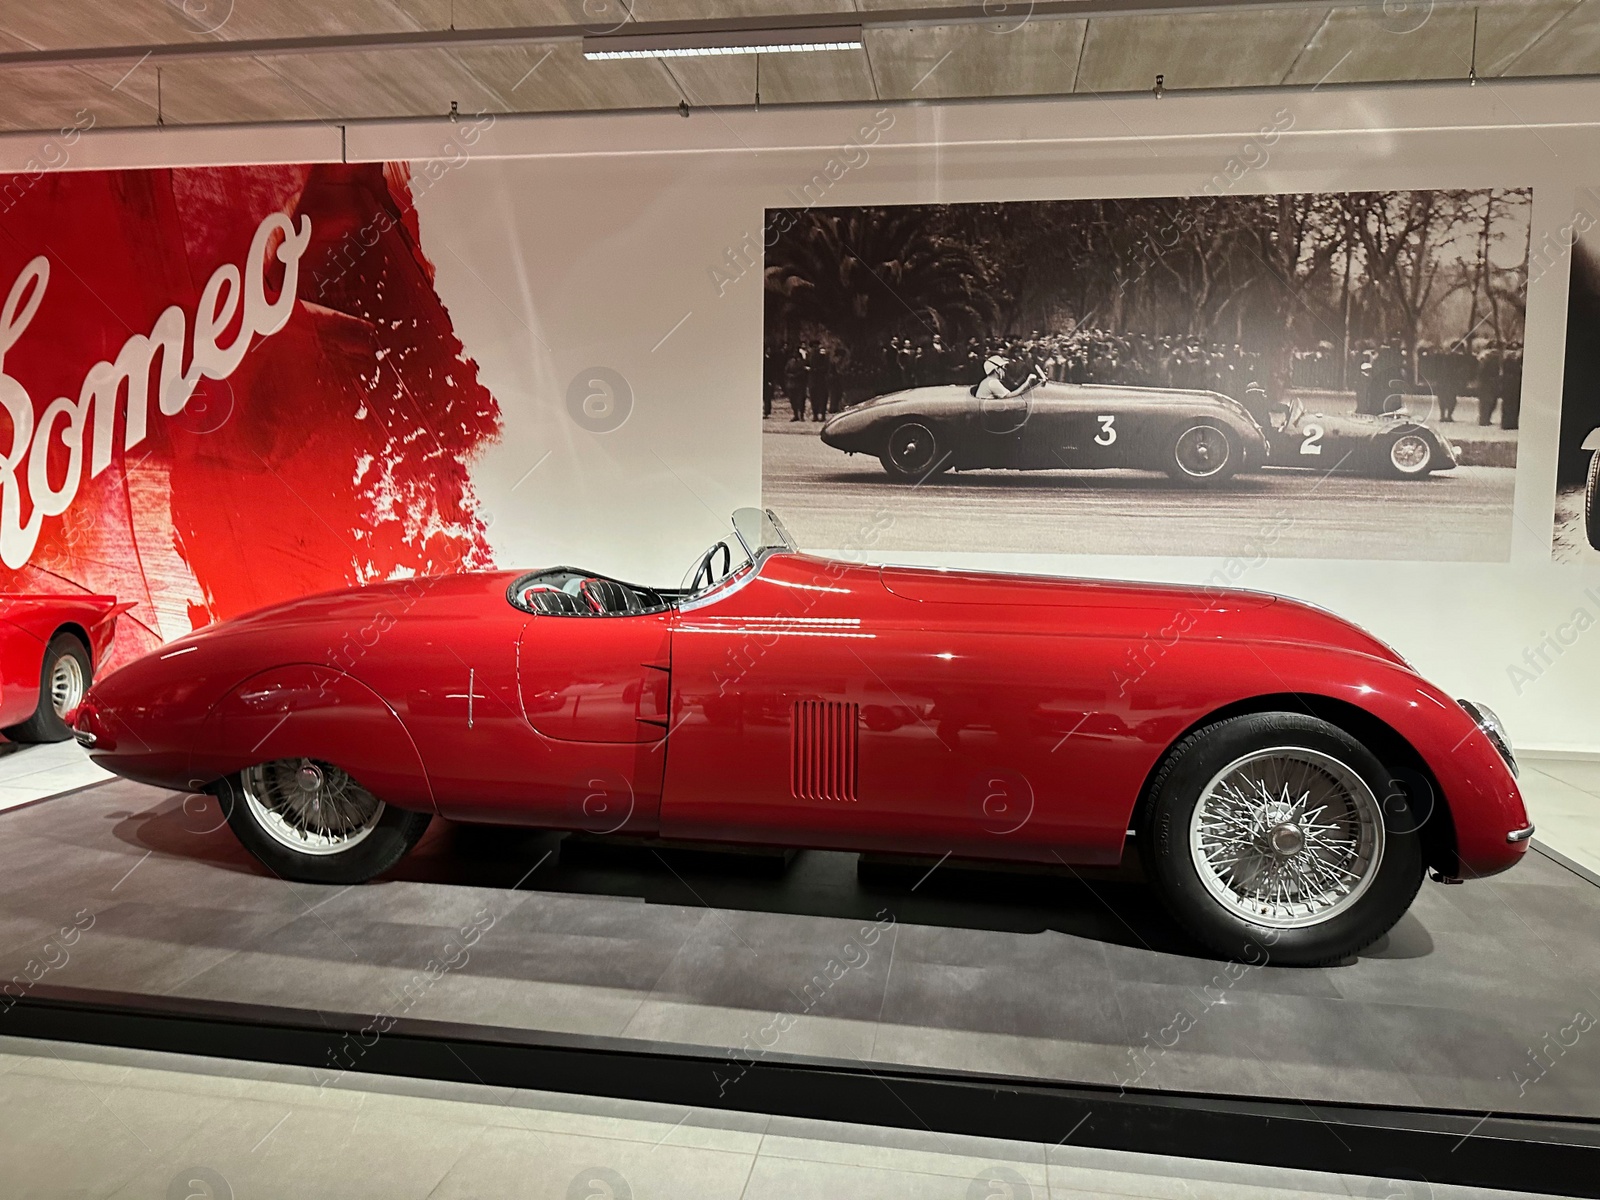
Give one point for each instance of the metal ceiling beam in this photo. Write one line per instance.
(994, 12)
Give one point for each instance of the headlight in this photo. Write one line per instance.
(1484, 718)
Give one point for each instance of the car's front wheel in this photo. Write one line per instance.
(1278, 837)
(64, 678)
(1591, 501)
(310, 821)
(1408, 456)
(1202, 452)
(913, 453)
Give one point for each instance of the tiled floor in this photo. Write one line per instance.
(1040, 976)
(1563, 798)
(29, 773)
(92, 1123)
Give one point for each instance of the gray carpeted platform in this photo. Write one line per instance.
(1465, 1005)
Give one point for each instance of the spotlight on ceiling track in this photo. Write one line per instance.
(738, 41)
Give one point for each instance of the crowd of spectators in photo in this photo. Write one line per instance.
(815, 378)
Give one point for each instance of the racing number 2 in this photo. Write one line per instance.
(1311, 443)
(1108, 430)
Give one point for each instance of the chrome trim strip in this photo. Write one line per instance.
(84, 738)
(1519, 835)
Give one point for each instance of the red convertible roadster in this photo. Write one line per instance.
(49, 646)
(1286, 778)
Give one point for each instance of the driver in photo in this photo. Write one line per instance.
(993, 385)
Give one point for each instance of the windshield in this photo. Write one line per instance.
(756, 533)
(759, 529)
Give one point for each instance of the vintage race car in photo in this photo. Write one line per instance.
(1392, 445)
(49, 646)
(1285, 777)
(1195, 437)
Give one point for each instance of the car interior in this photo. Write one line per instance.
(568, 592)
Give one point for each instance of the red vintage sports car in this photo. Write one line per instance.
(1286, 778)
(49, 646)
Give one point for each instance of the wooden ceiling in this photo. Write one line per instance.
(130, 62)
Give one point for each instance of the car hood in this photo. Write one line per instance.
(394, 597)
(1109, 605)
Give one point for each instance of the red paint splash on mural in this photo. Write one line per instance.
(335, 453)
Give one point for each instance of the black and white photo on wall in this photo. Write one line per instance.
(1577, 513)
(1331, 375)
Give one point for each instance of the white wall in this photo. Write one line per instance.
(577, 242)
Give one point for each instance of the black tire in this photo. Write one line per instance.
(1408, 454)
(1167, 844)
(47, 724)
(395, 832)
(1591, 501)
(1203, 452)
(912, 453)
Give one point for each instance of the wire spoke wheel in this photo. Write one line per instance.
(66, 685)
(1409, 454)
(1286, 837)
(1201, 451)
(1591, 501)
(310, 806)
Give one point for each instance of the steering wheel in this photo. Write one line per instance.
(704, 568)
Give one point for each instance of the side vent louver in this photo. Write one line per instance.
(823, 742)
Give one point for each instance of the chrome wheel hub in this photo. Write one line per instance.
(66, 685)
(1202, 451)
(1287, 840)
(912, 448)
(1286, 837)
(1410, 453)
(308, 806)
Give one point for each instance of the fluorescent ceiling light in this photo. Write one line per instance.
(734, 41)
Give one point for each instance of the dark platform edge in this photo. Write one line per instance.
(1546, 1154)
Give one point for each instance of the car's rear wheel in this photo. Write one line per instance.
(1591, 501)
(1408, 456)
(1278, 837)
(64, 678)
(913, 452)
(310, 821)
(1202, 452)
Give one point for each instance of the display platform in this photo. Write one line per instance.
(1479, 1000)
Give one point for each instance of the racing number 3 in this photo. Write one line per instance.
(1108, 430)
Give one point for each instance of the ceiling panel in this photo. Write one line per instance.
(721, 80)
(1570, 47)
(555, 77)
(393, 83)
(1363, 44)
(149, 22)
(703, 10)
(52, 98)
(932, 61)
(1015, 10)
(218, 91)
(1508, 31)
(1209, 50)
(818, 77)
(509, 14)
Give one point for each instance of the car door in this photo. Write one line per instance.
(814, 707)
(596, 679)
(829, 704)
(580, 759)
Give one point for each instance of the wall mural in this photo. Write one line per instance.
(220, 388)
(1316, 375)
